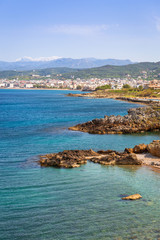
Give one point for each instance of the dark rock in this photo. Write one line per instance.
(128, 159)
(116, 158)
(105, 152)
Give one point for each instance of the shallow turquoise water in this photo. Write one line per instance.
(69, 204)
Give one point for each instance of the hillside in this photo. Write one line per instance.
(41, 72)
(147, 70)
(134, 70)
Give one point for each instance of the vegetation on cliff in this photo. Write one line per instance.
(125, 92)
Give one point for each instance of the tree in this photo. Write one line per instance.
(126, 86)
(79, 87)
(140, 88)
(107, 86)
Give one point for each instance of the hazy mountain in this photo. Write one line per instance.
(28, 63)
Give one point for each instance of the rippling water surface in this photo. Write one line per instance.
(69, 204)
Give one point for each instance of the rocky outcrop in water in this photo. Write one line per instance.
(132, 197)
(136, 121)
(75, 158)
(140, 154)
(67, 158)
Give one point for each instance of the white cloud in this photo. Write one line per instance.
(78, 29)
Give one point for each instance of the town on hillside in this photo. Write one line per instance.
(78, 84)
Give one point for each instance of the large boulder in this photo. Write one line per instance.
(128, 150)
(154, 148)
(141, 148)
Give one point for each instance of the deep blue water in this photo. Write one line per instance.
(69, 204)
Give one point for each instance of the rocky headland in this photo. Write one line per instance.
(145, 96)
(137, 120)
(130, 156)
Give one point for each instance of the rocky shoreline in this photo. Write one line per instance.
(138, 120)
(130, 156)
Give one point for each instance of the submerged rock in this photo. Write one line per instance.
(132, 197)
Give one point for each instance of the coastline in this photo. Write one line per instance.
(58, 89)
(147, 160)
(136, 100)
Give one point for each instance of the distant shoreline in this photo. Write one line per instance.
(136, 99)
(40, 89)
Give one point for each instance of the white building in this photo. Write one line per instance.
(10, 85)
(28, 85)
(2, 84)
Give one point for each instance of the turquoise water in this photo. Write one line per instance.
(69, 204)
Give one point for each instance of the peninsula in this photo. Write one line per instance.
(127, 94)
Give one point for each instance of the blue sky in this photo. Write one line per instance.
(122, 29)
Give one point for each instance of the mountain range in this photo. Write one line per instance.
(28, 63)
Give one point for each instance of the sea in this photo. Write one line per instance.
(84, 203)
